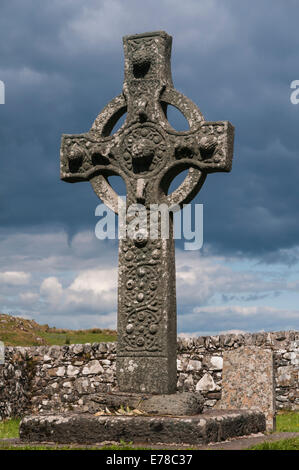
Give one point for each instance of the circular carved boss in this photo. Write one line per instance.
(143, 148)
(141, 284)
(142, 329)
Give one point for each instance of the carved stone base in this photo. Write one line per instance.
(176, 404)
(213, 426)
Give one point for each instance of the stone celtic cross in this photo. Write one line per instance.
(147, 153)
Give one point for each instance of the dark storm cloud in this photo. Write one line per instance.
(62, 62)
(50, 89)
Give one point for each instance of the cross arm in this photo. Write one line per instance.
(210, 148)
(82, 156)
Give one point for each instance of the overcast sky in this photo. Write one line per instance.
(62, 62)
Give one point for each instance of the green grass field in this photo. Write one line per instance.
(284, 444)
(286, 422)
(9, 428)
(16, 331)
(78, 337)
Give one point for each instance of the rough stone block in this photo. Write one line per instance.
(213, 426)
(176, 404)
(248, 382)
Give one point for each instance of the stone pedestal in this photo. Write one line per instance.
(213, 426)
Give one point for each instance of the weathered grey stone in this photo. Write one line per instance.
(194, 365)
(188, 383)
(176, 404)
(94, 367)
(248, 382)
(148, 154)
(102, 347)
(71, 371)
(67, 384)
(286, 376)
(210, 427)
(60, 371)
(78, 348)
(206, 384)
(54, 351)
(216, 363)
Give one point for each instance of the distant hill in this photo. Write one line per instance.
(17, 331)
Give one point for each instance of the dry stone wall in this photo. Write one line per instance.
(68, 378)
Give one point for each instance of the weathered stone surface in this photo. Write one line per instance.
(248, 382)
(146, 374)
(287, 376)
(94, 368)
(210, 427)
(72, 371)
(148, 154)
(177, 404)
(194, 365)
(60, 371)
(206, 384)
(216, 363)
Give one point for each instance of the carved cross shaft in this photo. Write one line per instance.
(147, 153)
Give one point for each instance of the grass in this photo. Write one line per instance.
(284, 444)
(78, 337)
(286, 422)
(15, 331)
(9, 428)
(41, 447)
